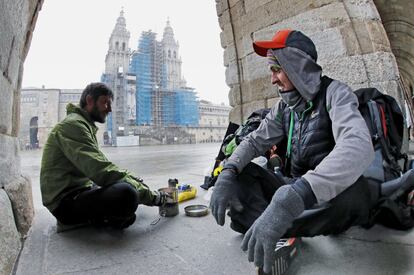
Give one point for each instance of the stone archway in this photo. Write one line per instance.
(398, 22)
(353, 43)
(17, 22)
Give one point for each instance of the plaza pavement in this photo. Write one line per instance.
(186, 245)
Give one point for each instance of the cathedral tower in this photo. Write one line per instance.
(172, 59)
(122, 83)
(117, 58)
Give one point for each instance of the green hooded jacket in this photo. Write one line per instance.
(72, 160)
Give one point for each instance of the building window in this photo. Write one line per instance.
(175, 54)
(169, 54)
(123, 46)
(116, 45)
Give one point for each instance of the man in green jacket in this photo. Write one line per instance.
(78, 183)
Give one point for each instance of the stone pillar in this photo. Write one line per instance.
(9, 237)
(399, 25)
(17, 21)
(351, 41)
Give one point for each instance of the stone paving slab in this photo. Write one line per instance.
(184, 245)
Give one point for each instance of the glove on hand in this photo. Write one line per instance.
(223, 194)
(260, 240)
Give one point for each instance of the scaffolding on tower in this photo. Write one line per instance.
(157, 104)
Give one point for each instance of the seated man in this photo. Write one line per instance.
(78, 183)
(328, 149)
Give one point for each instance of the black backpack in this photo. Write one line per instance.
(252, 123)
(385, 122)
(234, 135)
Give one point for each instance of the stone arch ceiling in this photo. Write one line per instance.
(398, 19)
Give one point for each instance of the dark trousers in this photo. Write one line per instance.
(114, 205)
(351, 207)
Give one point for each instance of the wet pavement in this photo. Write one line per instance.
(188, 245)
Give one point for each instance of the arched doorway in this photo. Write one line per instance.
(34, 129)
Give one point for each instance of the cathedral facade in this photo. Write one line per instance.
(148, 86)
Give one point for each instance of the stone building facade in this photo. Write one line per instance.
(41, 109)
(213, 122)
(361, 42)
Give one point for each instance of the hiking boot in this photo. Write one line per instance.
(286, 250)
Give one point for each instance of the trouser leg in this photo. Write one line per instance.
(257, 186)
(351, 207)
(115, 204)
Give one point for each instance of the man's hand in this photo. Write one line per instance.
(224, 191)
(160, 198)
(260, 240)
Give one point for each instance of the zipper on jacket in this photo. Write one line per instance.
(302, 116)
(291, 126)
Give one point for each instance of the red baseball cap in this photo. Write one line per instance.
(287, 38)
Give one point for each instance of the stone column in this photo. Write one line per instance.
(351, 41)
(17, 21)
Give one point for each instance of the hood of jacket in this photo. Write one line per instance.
(75, 109)
(301, 69)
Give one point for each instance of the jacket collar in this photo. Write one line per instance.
(72, 108)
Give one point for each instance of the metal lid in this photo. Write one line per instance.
(196, 210)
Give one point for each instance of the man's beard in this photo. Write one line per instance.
(96, 115)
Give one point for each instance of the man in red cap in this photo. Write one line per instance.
(328, 149)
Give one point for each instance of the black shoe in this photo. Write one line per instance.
(115, 222)
(286, 250)
(60, 227)
(122, 223)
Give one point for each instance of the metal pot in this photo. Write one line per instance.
(170, 208)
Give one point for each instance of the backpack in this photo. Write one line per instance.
(252, 123)
(234, 135)
(385, 122)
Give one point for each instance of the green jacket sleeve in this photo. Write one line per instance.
(78, 143)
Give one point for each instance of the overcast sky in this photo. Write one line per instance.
(71, 40)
